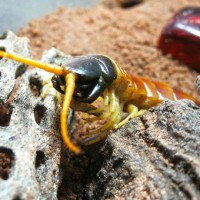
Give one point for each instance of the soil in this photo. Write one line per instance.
(128, 36)
(6, 161)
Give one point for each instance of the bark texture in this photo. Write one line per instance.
(155, 156)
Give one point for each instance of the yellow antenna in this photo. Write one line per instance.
(47, 67)
(70, 86)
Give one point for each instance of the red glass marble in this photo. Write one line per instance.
(181, 37)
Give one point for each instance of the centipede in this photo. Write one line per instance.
(84, 80)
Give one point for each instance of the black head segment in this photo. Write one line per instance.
(94, 73)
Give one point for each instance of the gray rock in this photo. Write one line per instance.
(155, 156)
(30, 143)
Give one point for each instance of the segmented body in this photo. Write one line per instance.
(130, 94)
(85, 80)
(143, 92)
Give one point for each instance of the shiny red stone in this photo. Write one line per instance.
(181, 37)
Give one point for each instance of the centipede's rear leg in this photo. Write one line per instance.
(133, 112)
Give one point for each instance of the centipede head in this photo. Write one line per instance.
(83, 78)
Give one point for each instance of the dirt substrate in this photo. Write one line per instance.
(129, 36)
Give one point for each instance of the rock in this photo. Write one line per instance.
(128, 3)
(30, 142)
(155, 156)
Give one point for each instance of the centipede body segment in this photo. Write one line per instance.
(85, 80)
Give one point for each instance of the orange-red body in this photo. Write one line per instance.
(151, 92)
(143, 92)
